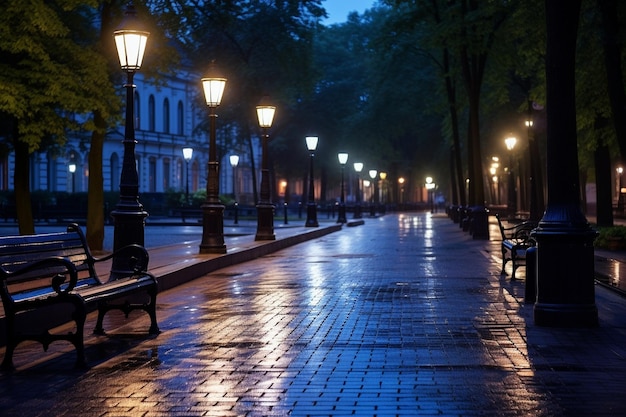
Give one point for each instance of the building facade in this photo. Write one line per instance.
(166, 121)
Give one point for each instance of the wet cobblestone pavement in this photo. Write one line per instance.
(404, 316)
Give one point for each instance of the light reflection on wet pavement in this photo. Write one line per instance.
(404, 316)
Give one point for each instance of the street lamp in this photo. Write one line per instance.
(187, 154)
(129, 215)
(311, 209)
(358, 167)
(401, 183)
(265, 208)
(383, 177)
(234, 161)
(72, 169)
(343, 159)
(430, 189)
(373, 173)
(212, 209)
(512, 200)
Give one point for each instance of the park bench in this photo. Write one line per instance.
(515, 242)
(44, 276)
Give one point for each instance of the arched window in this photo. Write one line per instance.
(152, 173)
(4, 172)
(151, 115)
(166, 174)
(51, 171)
(137, 112)
(166, 116)
(115, 172)
(180, 118)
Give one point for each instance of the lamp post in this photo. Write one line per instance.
(430, 189)
(620, 201)
(234, 161)
(383, 177)
(212, 210)
(187, 155)
(565, 294)
(358, 167)
(373, 173)
(512, 195)
(493, 171)
(401, 197)
(343, 159)
(129, 215)
(72, 169)
(311, 208)
(265, 208)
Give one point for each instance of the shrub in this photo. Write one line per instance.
(613, 238)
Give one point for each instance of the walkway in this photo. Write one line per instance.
(404, 316)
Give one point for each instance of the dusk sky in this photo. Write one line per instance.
(338, 9)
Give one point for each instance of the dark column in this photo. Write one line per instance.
(129, 215)
(565, 257)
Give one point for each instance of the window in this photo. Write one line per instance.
(180, 119)
(151, 115)
(166, 116)
(115, 172)
(51, 171)
(152, 175)
(4, 173)
(166, 174)
(137, 112)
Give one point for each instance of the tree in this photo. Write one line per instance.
(39, 52)
(160, 58)
(263, 48)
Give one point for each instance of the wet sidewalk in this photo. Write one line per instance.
(404, 316)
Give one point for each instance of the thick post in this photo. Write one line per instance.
(357, 206)
(311, 208)
(212, 209)
(341, 218)
(565, 254)
(129, 215)
(265, 208)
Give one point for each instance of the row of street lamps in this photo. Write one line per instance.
(129, 215)
(311, 218)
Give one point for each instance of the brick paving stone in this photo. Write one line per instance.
(404, 316)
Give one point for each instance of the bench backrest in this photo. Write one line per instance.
(18, 251)
(520, 231)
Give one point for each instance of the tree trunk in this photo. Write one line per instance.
(604, 199)
(95, 190)
(612, 59)
(23, 203)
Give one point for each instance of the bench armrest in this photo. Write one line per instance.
(136, 253)
(60, 269)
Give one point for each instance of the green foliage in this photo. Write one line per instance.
(48, 76)
(609, 237)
